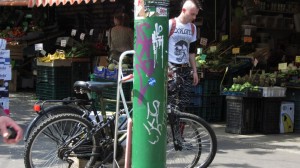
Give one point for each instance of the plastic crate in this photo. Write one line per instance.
(100, 73)
(211, 114)
(211, 108)
(197, 90)
(54, 75)
(193, 110)
(273, 91)
(211, 86)
(241, 113)
(269, 114)
(46, 91)
(212, 75)
(212, 100)
(113, 75)
(247, 93)
(196, 101)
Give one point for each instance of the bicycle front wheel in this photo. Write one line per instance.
(199, 143)
(59, 141)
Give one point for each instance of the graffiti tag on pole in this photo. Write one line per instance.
(153, 125)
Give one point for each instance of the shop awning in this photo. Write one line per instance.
(32, 3)
(13, 2)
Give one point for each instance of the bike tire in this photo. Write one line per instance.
(199, 144)
(49, 112)
(51, 138)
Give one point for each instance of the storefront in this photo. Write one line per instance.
(257, 41)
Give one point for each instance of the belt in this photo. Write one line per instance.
(180, 65)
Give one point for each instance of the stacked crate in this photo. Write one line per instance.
(5, 76)
(53, 80)
(268, 116)
(241, 114)
(206, 101)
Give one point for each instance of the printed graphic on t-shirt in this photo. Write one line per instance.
(181, 48)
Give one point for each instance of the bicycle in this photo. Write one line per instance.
(76, 136)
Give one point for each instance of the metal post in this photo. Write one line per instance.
(149, 86)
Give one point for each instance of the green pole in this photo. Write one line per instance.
(149, 87)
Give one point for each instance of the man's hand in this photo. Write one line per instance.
(6, 122)
(195, 78)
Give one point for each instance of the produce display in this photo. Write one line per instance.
(59, 54)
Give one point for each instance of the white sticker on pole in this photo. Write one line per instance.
(38, 47)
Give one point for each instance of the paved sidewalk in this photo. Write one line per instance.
(242, 151)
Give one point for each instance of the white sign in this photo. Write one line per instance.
(73, 32)
(5, 72)
(203, 41)
(2, 44)
(4, 53)
(38, 47)
(82, 36)
(91, 32)
(63, 43)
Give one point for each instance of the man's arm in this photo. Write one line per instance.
(192, 55)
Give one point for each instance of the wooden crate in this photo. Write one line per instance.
(16, 51)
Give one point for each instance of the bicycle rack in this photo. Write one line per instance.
(122, 79)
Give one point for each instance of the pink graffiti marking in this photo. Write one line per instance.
(145, 62)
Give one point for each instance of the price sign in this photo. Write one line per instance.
(247, 32)
(297, 60)
(255, 62)
(224, 37)
(213, 48)
(235, 50)
(73, 32)
(203, 41)
(82, 36)
(247, 39)
(91, 32)
(38, 47)
(199, 50)
(282, 66)
(63, 43)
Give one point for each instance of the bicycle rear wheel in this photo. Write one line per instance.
(50, 143)
(199, 143)
(49, 112)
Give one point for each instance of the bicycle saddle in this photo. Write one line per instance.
(92, 85)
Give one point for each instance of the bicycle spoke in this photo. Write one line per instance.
(57, 141)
